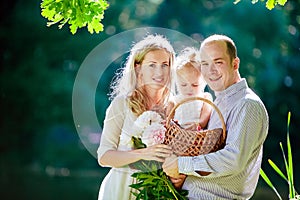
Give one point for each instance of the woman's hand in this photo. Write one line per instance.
(157, 152)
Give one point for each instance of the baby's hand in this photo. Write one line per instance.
(192, 126)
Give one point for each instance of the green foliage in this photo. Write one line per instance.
(81, 13)
(270, 4)
(288, 166)
(137, 143)
(152, 181)
(77, 13)
(38, 69)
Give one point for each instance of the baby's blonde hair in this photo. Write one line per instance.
(126, 83)
(189, 59)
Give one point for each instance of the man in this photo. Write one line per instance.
(233, 171)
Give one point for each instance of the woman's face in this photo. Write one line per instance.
(154, 71)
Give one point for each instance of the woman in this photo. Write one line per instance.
(144, 84)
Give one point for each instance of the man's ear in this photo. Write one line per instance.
(236, 63)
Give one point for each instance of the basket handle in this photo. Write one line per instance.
(171, 114)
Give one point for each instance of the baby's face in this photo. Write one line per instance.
(188, 83)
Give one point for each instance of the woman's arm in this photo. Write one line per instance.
(108, 155)
(116, 158)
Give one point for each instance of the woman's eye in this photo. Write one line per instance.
(165, 65)
(183, 85)
(152, 65)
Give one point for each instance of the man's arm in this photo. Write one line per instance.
(246, 132)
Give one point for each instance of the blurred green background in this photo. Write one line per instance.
(41, 154)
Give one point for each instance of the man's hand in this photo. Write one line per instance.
(170, 166)
(178, 182)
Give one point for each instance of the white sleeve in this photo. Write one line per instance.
(112, 126)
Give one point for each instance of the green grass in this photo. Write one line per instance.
(288, 162)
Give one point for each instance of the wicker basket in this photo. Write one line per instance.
(193, 143)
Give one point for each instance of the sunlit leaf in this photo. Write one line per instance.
(236, 1)
(76, 13)
(281, 2)
(270, 4)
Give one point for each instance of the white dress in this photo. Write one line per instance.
(188, 112)
(116, 135)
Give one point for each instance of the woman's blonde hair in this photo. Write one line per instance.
(125, 83)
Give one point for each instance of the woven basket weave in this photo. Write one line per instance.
(191, 142)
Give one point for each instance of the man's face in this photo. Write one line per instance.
(216, 67)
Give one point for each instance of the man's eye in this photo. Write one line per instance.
(165, 65)
(152, 65)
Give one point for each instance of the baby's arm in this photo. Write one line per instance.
(205, 111)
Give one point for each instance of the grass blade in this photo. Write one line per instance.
(290, 160)
(267, 180)
(285, 160)
(274, 166)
